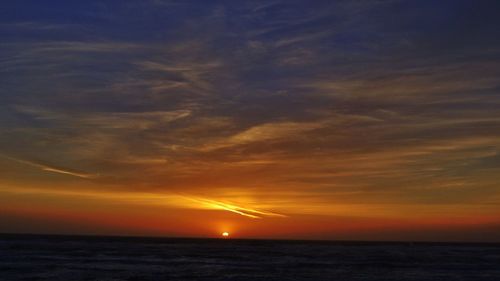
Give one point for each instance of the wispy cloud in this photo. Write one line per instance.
(37, 26)
(247, 212)
(106, 120)
(264, 132)
(53, 169)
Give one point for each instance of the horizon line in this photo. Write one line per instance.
(249, 239)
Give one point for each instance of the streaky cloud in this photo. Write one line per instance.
(53, 169)
(230, 207)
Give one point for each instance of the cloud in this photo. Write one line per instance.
(264, 132)
(190, 75)
(106, 120)
(36, 26)
(424, 85)
(53, 169)
(246, 212)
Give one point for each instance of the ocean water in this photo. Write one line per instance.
(68, 258)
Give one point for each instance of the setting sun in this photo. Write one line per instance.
(225, 234)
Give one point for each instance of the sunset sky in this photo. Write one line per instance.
(366, 120)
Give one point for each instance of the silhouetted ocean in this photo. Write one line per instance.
(68, 258)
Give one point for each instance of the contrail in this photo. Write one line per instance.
(52, 169)
(247, 212)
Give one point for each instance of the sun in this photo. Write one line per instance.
(225, 234)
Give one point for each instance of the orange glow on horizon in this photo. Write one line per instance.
(172, 215)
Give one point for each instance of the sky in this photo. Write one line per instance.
(364, 120)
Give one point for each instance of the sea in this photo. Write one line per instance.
(79, 258)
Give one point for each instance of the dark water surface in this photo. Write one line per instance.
(67, 258)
